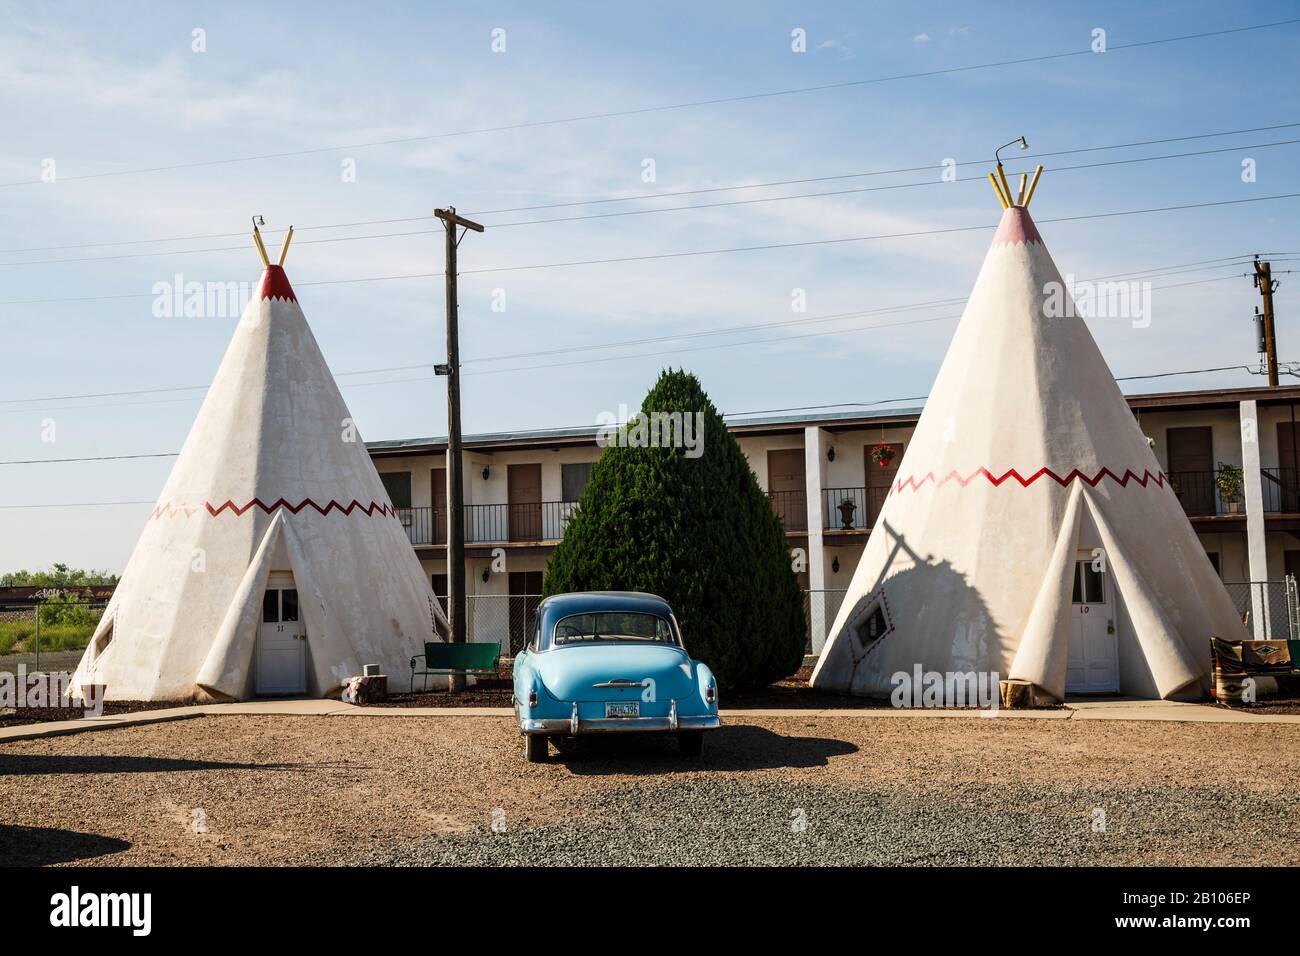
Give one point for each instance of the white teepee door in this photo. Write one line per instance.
(282, 641)
(1093, 659)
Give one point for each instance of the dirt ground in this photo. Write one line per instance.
(290, 790)
(789, 693)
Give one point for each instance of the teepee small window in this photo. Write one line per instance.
(872, 626)
(102, 642)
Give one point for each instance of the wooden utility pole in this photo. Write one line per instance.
(455, 482)
(1264, 282)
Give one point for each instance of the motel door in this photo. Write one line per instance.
(282, 641)
(787, 487)
(524, 493)
(879, 480)
(1093, 659)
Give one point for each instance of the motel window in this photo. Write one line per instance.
(573, 479)
(270, 606)
(1088, 585)
(398, 486)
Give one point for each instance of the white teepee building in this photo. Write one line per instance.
(273, 562)
(1029, 531)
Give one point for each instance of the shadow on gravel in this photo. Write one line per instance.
(43, 846)
(731, 747)
(18, 765)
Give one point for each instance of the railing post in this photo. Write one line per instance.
(38, 638)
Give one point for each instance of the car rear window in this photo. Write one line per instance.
(613, 627)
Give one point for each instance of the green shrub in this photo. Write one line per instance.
(70, 612)
(699, 532)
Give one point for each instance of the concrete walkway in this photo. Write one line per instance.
(1161, 710)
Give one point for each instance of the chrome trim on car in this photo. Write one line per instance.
(616, 725)
(619, 683)
(573, 720)
(672, 714)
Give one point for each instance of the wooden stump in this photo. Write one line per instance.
(369, 689)
(1016, 694)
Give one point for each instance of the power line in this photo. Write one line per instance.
(644, 212)
(715, 101)
(675, 351)
(861, 189)
(80, 504)
(1226, 262)
(700, 252)
(60, 461)
(826, 242)
(877, 402)
(689, 192)
(626, 343)
(877, 172)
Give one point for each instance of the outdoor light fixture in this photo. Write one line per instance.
(830, 453)
(1024, 144)
(487, 472)
(487, 573)
(835, 564)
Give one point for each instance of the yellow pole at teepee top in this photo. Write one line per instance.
(1020, 196)
(261, 249)
(1002, 178)
(1033, 185)
(993, 180)
(284, 249)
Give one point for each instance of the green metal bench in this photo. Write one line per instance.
(455, 659)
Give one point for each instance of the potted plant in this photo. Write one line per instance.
(883, 454)
(1227, 478)
(847, 508)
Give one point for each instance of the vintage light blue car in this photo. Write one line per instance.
(610, 662)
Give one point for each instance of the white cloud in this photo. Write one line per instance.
(845, 52)
(921, 39)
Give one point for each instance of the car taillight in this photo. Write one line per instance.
(711, 693)
(532, 697)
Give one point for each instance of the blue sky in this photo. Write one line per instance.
(114, 89)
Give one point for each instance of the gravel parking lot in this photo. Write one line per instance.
(789, 790)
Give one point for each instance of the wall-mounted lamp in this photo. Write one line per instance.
(487, 472)
(830, 453)
(487, 573)
(835, 564)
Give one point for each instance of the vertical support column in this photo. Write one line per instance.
(1256, 545)
(815, 443)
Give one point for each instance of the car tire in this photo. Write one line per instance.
(536, 748)
(690, 742)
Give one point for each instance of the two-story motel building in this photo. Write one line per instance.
(520, 489)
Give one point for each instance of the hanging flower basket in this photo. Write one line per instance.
(883, 454)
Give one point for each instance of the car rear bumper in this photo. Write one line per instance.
(574, 726)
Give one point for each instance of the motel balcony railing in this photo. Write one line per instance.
(792, 508)
(1200, 496)
(539, 521)
(852, 509)
(1281, 490)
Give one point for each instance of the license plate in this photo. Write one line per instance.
(623, 709)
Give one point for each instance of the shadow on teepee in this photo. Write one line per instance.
(882, 632)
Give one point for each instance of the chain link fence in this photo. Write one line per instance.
(819, 610)
(1275, 602)
(508, 619)
(46, 637)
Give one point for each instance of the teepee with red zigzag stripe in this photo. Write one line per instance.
(274, 562)
(1029, 531)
